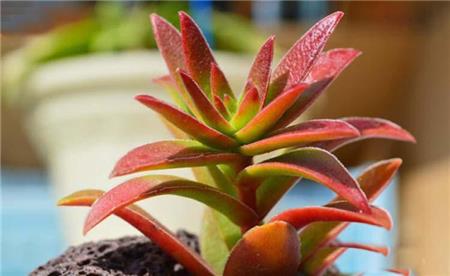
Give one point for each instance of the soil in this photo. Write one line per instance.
(127, 256)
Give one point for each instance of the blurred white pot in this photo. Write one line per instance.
(82, 118)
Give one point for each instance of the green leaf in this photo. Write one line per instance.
(149, 186)
(270, 249)
(268, 116)
(247, 109)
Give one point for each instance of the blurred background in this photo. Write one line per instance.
(69, 70)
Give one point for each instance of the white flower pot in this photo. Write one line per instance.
(82, 118)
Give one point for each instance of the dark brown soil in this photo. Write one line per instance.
(128, 256)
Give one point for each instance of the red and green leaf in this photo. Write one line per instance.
(219, 83)
(150, 227)
(268, 116)
(369, 128)
(301, 134)
(197, 52)
(205, 108)
(336, 212)
(270, 249)
(327, 68)
(372, 181)
(300, 58)
(260, 71)
(312, 163)
(247, 109)
(169, 42)
(188, 124)
(171, 154)
(170, 86)
(150, 186)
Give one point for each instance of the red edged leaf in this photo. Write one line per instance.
(207, 111)
(302, 103)
(327, 256)
(300, 134)
(404, 272)
(248, 108)
(312, 163)
(267, 117)
(270, 249)
(169, 42)
(230, 103)
(196, 51)
(331, 63)
(149, 186)
(260, 71)
(367, 247)
(170, 154)
(187, 123)
(219, 104)
(341, 211)
(219, 84)
(150, 227)
(299, 59)
(170, 86)
(276, 86)
(328, 68)
(372, 181)
(370, 128)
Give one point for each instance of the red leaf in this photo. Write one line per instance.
(149, 186)
(169, 43)
(207, 111)
(197, 53)
(372, 181)
(150, 227)
(300, 134)
(369, 128)
(267, 117)
(170, 154)
(341, 211)
(219, 84)
(270, 249)
(299, 59)
(373, 248)
(188, 124)
(219, 104)
(312, 163)
(260, 71)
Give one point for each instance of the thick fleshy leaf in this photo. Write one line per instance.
(312, 163)
(170, 86)
(270, 249)
(260, 71)
(268, 116)
(300, 134)
(328, 68)
(205, 108)
(327, 256)
(372, 181)
(149, 186)
(217, 237)
(230, 103)
(248, 108)
(338, 211)
(171, 154)
(196, 51)
(169, 43)
(302, 103)
(276, 87)
(299, 59)
(369, 128)
(188, 124)
(219, 84)
(220, 106)
(150, 227)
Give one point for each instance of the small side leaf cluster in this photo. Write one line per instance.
(218, 135)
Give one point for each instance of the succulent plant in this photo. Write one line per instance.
(218, 135)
